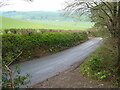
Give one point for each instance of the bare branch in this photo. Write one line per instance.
(11, 78)
(108, 7)
(105, 12)
(3, 3)
(6, 2)
(15, 58)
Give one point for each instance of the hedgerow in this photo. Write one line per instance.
(13, 44)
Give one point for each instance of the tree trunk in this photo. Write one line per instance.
(114, 16)
(118, 29)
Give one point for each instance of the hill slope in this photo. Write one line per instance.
(10, 23)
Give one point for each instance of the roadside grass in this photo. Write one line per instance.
(11, 23)
(101, 65)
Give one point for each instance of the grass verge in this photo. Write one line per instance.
(101, 65)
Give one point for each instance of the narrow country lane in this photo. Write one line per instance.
(42, 68)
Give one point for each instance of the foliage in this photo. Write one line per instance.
(95, 68)
(95, 63)
(18, 80)
(13, 44)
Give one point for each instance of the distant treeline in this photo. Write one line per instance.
(40, 15)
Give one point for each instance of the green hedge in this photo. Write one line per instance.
(13, 44)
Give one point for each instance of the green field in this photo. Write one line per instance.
(10, 23)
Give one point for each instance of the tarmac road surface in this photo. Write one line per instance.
(43, 68)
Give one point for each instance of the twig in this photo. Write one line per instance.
(10, 73)
(15, 58)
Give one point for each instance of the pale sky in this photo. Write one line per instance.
(36, 5)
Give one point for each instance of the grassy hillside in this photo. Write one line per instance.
(8, 23)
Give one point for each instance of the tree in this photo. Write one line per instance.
(104, 14)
